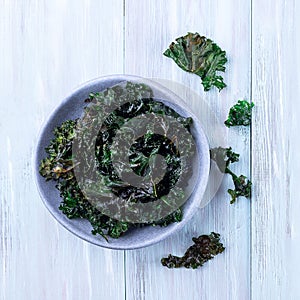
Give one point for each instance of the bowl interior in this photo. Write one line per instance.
(72, 108)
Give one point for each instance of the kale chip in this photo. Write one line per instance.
(240, 114)
(242, 187)
(197, 54)
(223, 157)
(205, 248)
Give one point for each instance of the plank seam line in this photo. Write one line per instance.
(124, 251)
(251, 134)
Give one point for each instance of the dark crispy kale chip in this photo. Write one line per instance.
(240, 114)
(59, 160)
(205, 248)
(197, 54)
(223, 157)
(242, 187)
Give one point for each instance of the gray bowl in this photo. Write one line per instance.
(72, 108)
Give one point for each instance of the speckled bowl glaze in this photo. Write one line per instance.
(71, 108)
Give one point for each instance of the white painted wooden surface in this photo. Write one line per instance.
(49, 47)
(275, 155)
(228, 277)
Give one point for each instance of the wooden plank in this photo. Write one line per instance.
(275, 215)
(150, 26)
(47, 49)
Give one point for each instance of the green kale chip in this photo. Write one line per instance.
(197, 54)
(59, 161)
(242, 187)
(205, 248)
(240, 114)
(223, 157)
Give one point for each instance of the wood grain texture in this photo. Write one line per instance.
(275, 143)
(150, 26)
(47, 49)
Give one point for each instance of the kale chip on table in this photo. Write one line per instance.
(201, 56)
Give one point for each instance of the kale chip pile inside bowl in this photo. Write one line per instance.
(125, 163)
